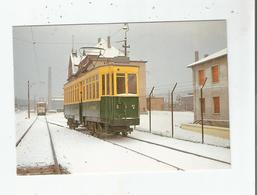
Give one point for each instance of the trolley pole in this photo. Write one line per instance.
(150, 110)
(28, 102)
(201, 91)
(171, 109)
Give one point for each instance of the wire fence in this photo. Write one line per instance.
(170, 111)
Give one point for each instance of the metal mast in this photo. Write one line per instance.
(126, 29)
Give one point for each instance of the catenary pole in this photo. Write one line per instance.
(150, 110)
(28, 102)
(201, 91)
(171, 109)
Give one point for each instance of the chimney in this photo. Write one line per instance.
(196, 56)
(206, 55)
(109, 42)
(98, 40)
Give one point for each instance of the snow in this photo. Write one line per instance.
(108, 52)
(210, 57)
(161, 125)
(179, 159)
(35, 149)
(23, 122)
(198, 148)
(57, 118)
(80, 153)
(75, 59)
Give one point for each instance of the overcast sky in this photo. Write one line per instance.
(167, 48)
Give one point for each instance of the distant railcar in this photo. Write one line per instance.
(105, 99)
(41, 108)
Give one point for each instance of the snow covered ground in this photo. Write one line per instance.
(81, 153)
(181, 160)
(35, 149)
(23, 122)
(198, 148)
(161, 125)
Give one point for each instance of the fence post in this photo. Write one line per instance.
(171, 109)
(201, 92)
(150, 110)
(28, 101)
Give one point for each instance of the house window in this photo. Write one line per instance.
(216, 104)
(215, 74)
(201, 77)
(203, 104)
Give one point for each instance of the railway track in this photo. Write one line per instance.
(179, 150)
(53, 169)
(159, 145)
(56, 164)
(145, 155)
(25, 133)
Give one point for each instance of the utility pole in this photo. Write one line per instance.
(126, 29)
(171, 109)
(28, 101)
(150, 110)
(201, 91)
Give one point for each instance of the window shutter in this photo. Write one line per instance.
(201, 77)
(216, 101)
(215, 74)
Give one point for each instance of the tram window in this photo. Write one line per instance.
(83, 91)
(132, 83)
(89, 91)
(93, 90)
(120, 83)
(107, 84)
(97, 89)
(112, 85)
(103, 84)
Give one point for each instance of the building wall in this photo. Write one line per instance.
(211, 90)
(187, 103)
(157, 103)
(57, 104)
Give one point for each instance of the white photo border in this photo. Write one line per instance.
(239, 15)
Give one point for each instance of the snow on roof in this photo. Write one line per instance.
(75, 60)
(108, 52)
(210, 57)
(57, 99)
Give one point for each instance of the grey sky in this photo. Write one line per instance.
(168, 48)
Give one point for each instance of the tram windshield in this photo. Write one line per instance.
(132, 83)
(120, 78)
